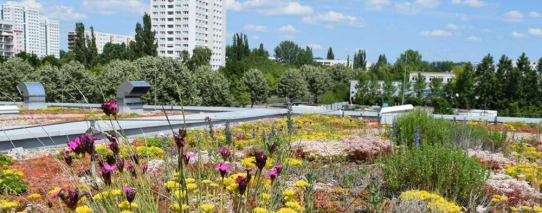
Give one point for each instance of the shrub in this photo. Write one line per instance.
(157, 142)
(5, 159)
(445, 170)
(365, 148)
(11, 182)
(440, 131)
(518, 192)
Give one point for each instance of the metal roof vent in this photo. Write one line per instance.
(33, 94)
(129, 96)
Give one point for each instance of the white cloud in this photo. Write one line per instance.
(32, 4)
(255, 28)
(64, 13)
(410, 8)
(270, 7)
(513, 16)
(435, 33)
(470, 3)
(474, 39)
(314, 46)
(287, 29)
(255, 38)
(486, 30)
(535, 14)
(535, 31)
(332, 19)
(452, 27)
(108, 7)
(376, 5)
(518, 35)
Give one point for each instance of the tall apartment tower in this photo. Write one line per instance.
(187, 24)
(38, 35)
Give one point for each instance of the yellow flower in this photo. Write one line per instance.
(266, 196)
(8, 172)
(537, 209)
(172, 185)
(214, 185)
(83, 209)
(259, 210)
(125, 205)
(179, 194)
(288, 192)
(207, 207)
(191, 186)
(53, 191)
(19, 173)
(190, 180)
(176, 207)
(126, 211)
(206, 182)
(301, 184)
(293, 162)
(34, 196)
(293, 205)
(116, 192)
(526, 208)
(286, 210)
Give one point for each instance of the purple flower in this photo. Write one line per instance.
(135, 158)
(222, 168)
(82, 144)
(131, 168)
(187, 157)
(261, 159)
(272, 175)
(110, 108)
(180, 139)
(110, 167)
(67, 157)
(114, 147)
(272, 148)
(120, 164)
(74, 144)
(225, 152)
(144, 167)
(130, 193)
(56, 194)
(278, 167)
(243, 182)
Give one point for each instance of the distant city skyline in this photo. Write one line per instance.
(456, 30)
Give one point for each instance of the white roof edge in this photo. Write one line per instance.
(396, 108)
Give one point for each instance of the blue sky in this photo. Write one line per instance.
(457, 30)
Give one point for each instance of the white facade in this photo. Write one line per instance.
(446, 76)
(101, 39)
(7, 39)
(37, 35)
(350, 64)
(187, 24)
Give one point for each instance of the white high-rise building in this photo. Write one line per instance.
(7, 39)
(187, 24)
(39, 35)
(101, 39)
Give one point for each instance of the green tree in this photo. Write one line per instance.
(80, 47)
(330, 55)
(239, 49)
(504, 67)
(388, 89)
(201, 56)
(116, 72)
(255, 85)
(92, 49)
(166, 73)
(529, 81)
(260, 52)
(114, 51)
(340, 73)
(287, 52)
(31, 58)
(213, 87)
(465, 88)
(305, 57)
(419, 85)
(318, 80)
(292, 85)
(485, 81)
(79, 86)
(53, 81)
(14, 71)
(50, 59)
(436, 87)
(412, 58)
(148, 37)
(360, 60)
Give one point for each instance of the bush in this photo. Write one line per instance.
(11, 182)
(157, 142)
(440, 131)
(442, 169)
(5, 159)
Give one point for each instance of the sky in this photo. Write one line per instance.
(455, 30)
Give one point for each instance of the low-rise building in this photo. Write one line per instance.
(445, 76)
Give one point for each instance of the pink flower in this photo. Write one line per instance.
(222, 168)
(127, 188)
(272, 174)
(74, 143)
(110, 108)
(225, 152)
(278, 167)
(240, 179)
(56, 194)
(109, 167)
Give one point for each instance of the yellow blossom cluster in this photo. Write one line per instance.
(529, 170)
(106, 194)
(4, 204)
(301, 184)
(499, 198)
(526, 209)
(83, 209)
(250, 162)
(125, 205)
(435, 202)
